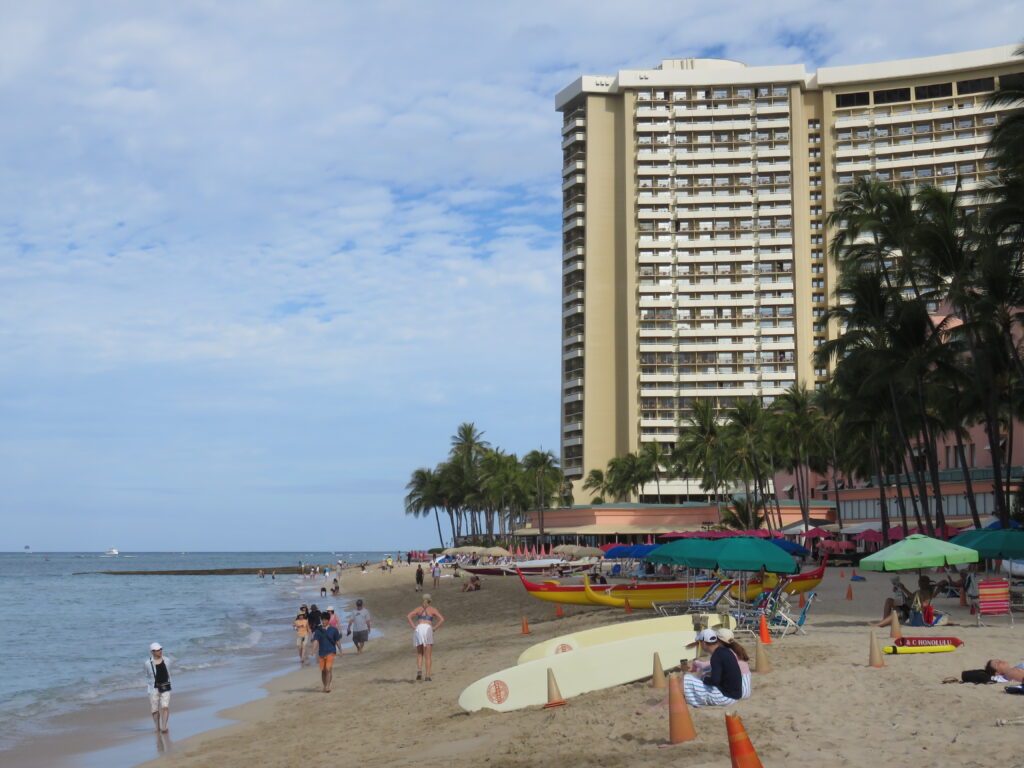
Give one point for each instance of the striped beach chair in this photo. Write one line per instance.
(994, 599)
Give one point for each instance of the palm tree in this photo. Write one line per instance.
(626, 474)
(424, 496)
(700, 449)
(545, 478)
(798, 425)
(744, 514)
(654, 456)
(595, 481)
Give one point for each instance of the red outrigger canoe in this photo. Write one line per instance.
(644, 594)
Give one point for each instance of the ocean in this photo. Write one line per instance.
(69, 642)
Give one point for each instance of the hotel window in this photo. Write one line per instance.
(931, 91)
(859, 99)
(977, 85)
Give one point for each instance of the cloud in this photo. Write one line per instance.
(230, 232)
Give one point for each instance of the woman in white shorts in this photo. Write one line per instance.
(424, 620)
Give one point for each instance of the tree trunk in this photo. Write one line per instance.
(437, 519)
(968, 483)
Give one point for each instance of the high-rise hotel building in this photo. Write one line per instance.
(694, 224)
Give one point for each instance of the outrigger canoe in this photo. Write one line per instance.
(644, 594)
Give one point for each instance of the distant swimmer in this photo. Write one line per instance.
(159, 686)
(422, 620)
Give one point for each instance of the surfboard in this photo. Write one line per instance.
(918, 642)
(585, 669)
(624, 630)
(900, 649)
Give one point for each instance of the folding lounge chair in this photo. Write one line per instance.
(782, 622)
(994, 599)
(748, 618)
(706, 603)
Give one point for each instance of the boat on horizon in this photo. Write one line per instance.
(113, 552)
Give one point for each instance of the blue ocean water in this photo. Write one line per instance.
(67, 641)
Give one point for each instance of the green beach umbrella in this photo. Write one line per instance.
(917, 551)
(994, 544)
(736, 553)
(680, 552)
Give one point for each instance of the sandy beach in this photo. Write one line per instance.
(821, 703)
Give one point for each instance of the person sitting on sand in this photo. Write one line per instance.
(1003, 669)
(722, 684)
(725, 635)
(921, 613)
(473, 585)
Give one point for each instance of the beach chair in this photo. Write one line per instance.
(616, 570)
(748, 617)
(706, 603)
(783, 622)
(994, 599)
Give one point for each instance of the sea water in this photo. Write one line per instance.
(67, 641)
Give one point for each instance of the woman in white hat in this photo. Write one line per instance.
(722, 684)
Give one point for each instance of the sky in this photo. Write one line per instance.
(259, 260)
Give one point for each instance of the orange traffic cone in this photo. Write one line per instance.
(894, 627)
(627, 607)
(680, 724)
(558, 611)
(875, 654)
(554, 695)
(765, 636)
(854, 573)
(849, 592)
(761, 660)
(803, 600)
(658, 678)
(526, 627)
(842, 574)
(740, 749)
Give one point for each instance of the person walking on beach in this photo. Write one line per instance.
(359, 626)
(422, 620)
(328, 641)
(159, 687)
(419, 577)
(301, 627)
(435, 571)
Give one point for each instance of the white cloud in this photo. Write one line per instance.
(273, 207)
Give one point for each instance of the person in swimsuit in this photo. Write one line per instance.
(424, 620)
(301, 627)
(419, 578)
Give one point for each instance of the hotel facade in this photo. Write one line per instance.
(695, 199)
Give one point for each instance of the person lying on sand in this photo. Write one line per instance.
(1010, 674)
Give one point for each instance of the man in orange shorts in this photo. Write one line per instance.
(329, 641)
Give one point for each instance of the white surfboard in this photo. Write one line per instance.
(623, 631)
(583, 670)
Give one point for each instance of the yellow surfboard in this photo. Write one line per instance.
(623, 630)
(900, 649)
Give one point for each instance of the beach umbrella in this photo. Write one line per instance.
(619, 551)
(918, 551)
(609, 545)
(736, 553)
(896, 533)
(816, 533)
(995, 524)
(998, 544)
(679, 552)
(496, 552)
(791, 547)
(565, 549)
(588, 552)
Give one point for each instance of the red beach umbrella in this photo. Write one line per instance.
(817, 533)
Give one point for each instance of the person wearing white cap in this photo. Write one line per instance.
(722, 685)
(159, 687)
